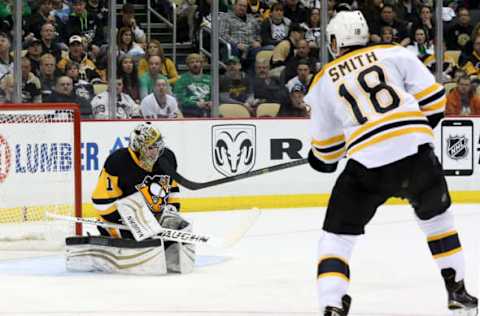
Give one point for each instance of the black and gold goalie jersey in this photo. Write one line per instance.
(122, 176)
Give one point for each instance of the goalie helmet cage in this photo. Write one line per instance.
(40, 171)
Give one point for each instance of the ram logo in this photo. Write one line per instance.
(233, 148)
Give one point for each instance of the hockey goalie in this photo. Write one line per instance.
(134, 190)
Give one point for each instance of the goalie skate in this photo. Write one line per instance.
(459, 301)
(335, 311)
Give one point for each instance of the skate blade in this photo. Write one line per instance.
(465, 312)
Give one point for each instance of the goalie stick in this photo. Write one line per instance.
(201, 185)
(178, 235)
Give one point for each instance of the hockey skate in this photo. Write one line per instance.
(459, 301)
(335, 311)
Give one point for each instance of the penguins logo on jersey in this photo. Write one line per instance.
(155, 191)
(457, 147)
(233, 148)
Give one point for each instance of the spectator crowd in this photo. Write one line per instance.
(275, 47)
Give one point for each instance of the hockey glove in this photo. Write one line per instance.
(434, 119)
(319, 165)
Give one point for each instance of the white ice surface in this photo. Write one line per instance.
(270, 272)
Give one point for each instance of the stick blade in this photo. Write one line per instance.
(243, 226)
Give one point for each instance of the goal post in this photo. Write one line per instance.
(40, 171)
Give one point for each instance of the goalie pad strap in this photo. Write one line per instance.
(113, 242)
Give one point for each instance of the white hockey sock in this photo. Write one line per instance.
(333, 272)
(444, 243)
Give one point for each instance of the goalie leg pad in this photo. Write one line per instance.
(106, 254)
(138, 217)
(180, 257)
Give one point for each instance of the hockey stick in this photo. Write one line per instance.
(177, 235)
(201, 185)
(166, 234)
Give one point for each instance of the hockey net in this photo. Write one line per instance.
(39, 173)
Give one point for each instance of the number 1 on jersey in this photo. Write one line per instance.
(109, 184)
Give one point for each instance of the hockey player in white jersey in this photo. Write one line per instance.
(377, 105)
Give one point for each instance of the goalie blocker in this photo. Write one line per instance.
(127, 256)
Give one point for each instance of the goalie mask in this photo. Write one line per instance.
(147, 141)
(345, 29)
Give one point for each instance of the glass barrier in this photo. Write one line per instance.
(268, 53)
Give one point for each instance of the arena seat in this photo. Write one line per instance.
(268, 109)
(233, 110)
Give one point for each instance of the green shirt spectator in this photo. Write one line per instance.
(6, 9)
(193, 90)
(147, 83)
(148, 79)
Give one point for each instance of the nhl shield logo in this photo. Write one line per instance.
(233, 148)
(457, 147)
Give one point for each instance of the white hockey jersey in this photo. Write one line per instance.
(371, 105)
